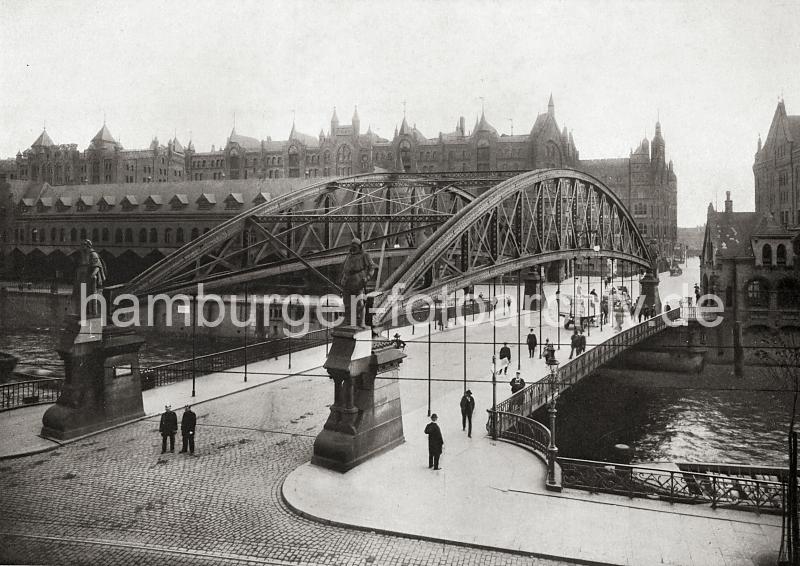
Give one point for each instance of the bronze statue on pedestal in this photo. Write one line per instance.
(356, 273)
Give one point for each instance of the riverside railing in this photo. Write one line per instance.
(26, 393)
(677, 486)
(174, 372)
(523, 430)
(535, 395)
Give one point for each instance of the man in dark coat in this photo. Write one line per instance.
(467, 407)
(188, 424)
(532, 343)
(581, 342)
(574, 344)
(435, 442)
(505, 354)
(168, 428)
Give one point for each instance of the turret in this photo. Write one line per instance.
(659, 147)
(356, 121)
(728, 202)
(334, 122)
(759, 143)
(551, 107)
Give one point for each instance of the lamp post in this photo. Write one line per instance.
(494, 397)
(552, 450)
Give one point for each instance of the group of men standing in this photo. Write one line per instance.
(577, 343)
(169, 428)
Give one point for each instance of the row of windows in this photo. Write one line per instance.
(120, 236)
(780, 255)
(787, 293)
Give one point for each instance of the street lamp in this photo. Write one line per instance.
(552, 450)
(494, 397)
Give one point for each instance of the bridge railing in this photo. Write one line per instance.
(676, 486)
(26, 393)
(174, 372)
(523, 430)
(535, 395)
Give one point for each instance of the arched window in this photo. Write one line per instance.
(73, 235)
(95, 235)
(168, 235)
(53, 235)
(118, 236)
(83, 234)
(143, 236)
(195, 233)
(179, 235)
(343, 154)
(757, 293)
(153, 236)
(129, 235)
(34, 235)
(106, 235)
(766, 255)
(780, 255)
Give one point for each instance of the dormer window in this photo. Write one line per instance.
(129, 202)
(178, 202)
(63, 204)
(25, 205)
(206, 201)
(261, 198)
(234, 201)
(153, 202)
(44, 204)
(85, 202)
(106, 203)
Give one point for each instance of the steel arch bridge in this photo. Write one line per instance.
(531, 219)
(310, 230)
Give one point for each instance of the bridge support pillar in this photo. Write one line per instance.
(533, 299)
(102, 385)
(366, 416)
(649, 290)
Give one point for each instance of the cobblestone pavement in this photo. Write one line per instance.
(115, 499)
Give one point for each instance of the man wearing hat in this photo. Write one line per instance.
(168, 428)
(188, 424)
(435, 442)
(467, 406)
(532, 343)
(398, 343)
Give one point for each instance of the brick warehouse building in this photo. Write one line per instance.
(52, 190)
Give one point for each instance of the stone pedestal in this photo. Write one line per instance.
(366, 417)
(102, 386)
(649, 290)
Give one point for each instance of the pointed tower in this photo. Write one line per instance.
(334, 122)
(759, 143)
(658, 146)
(551, 107)
(356, 122)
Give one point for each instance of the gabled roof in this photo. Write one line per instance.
(305, 139)
(730, 232)
(262, 197)
(235, 197)
(28, 201)
(108, 200)
(47, 202)
(64, 201)
(768, 228)
(179, 199)
(43, 140)
(244, 141)
(154, 199)
(209, 198)
(87, 200)
(130, 200)
(482, 125)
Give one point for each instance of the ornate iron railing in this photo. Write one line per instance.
(673, 485)
(174, 372)
(27, 393)
(535, 395)
(514, 427)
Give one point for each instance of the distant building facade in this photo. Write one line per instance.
(48, 200)
(776, 169)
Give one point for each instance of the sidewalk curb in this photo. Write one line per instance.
(61, 443)
(437, 540)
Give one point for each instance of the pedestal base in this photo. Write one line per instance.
(366, 418)
(649, 290)
(102, 384)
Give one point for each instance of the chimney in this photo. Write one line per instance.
(728, 202)
(461, 126)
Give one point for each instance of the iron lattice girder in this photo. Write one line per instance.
(400, 210)
(349, 218)
(536, 217)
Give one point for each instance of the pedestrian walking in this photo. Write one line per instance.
(168, 428)
(517, 383)
(574, 344)
(581, 342)
(505, 354)
(188, 424)
(549, 352)
(467, 407)
(435, 442)
(697, 294)
(532, 343)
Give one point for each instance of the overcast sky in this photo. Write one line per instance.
(713, 70)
